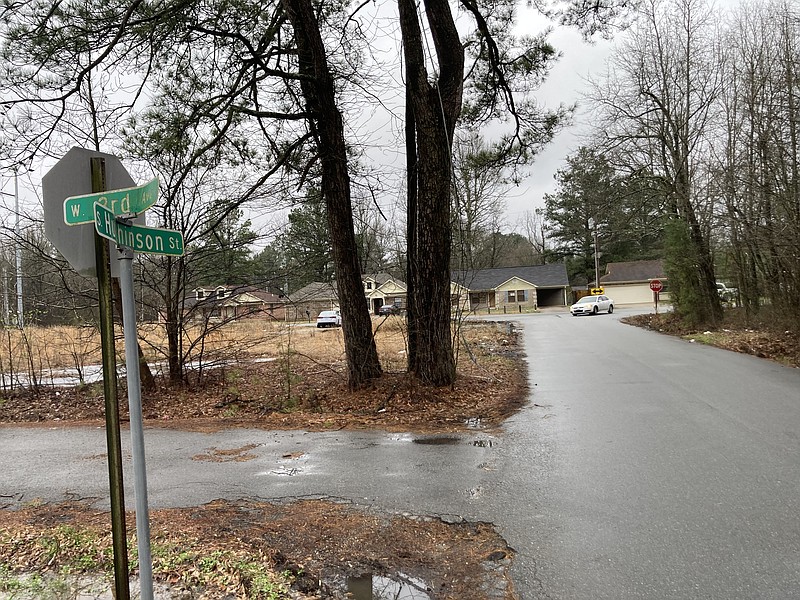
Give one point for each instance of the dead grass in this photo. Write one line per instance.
(63, 347)
(304, 387)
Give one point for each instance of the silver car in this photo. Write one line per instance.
(591, 305)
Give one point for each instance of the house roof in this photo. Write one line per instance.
(262, 295)
(379, 278)
(318, 291)
(542, 276)
(315, 291)
(634, 271)
(234, 293)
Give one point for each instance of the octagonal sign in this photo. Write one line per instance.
(72, 176)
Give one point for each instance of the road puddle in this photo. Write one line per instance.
(441, 440)
(445, 440)
(375, 587)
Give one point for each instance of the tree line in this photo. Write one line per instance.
(694, 157)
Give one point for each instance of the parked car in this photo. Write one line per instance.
(591, 305)
(389, 309)
(329, 318)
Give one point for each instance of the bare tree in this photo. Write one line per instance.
(757, 163)
(480, 185)
(657, 104)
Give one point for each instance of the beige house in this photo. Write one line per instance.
(225, 302)
(511, 289)
(629, 282)
(383, 289)
(379, 289)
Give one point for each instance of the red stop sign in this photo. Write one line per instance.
(656, 285)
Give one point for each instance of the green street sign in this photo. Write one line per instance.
(150, 240)
(134, 200)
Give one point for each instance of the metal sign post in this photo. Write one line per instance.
(137, 426)
(128, 237)
(67, 208)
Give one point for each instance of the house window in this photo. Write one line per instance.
(515, 296)
(201, 294)
(522, 296)
(369, 285)
(220, 293)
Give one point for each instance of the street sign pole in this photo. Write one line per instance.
(117, 490)
(129, 237)
(137, 427)
(656, 286)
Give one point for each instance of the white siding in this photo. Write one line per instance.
(631, 293)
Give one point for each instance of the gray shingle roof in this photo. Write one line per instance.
(634, 271)
(542, 276)
(380, 278)
(315, 291)
(232, 293)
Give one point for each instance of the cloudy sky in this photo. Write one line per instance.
(565, 85)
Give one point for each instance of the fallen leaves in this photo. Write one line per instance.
(309, 394)
(222, 548)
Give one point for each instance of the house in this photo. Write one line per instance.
(312, 299)
(629, 282)
(379, 289)
(382, 288)
(515, 288)
(226, 302)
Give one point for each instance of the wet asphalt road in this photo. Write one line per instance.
(644, 467)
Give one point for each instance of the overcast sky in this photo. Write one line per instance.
(565, 85)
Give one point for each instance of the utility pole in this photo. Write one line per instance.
(6, 309)
(596, 259)
(18, 253)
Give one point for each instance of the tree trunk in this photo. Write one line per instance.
(172, 308)
(411, 242)
(435, 109)
(319, 92)
(145, 374)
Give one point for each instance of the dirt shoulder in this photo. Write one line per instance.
(737, 333)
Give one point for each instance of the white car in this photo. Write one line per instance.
(329, 318)
(591, 305)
